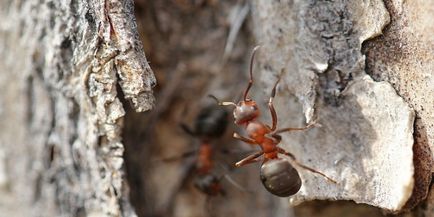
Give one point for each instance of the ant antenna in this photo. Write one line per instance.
(221, 103)
(251, 72)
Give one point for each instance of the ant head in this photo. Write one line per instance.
(280, 178)
(246, 111)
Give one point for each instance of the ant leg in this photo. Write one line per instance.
(312, 124)
(208, 206)
(275, 137)
(234, 151)
(187, 129)
(271, 106)
(251, 73)
(244, 139)
(182, 156)
(186, 172)
(221, 103)
(235, 184)
(226, 175)
(282, 151)
(249, 159)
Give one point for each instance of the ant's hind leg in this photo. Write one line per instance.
(249, 159)
(226, 175)
(282, 151)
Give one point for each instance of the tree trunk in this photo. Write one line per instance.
(62, 118)
(75, 85)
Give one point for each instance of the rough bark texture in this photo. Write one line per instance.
(62, 117)
(366, 141)
(75, 82)
(403, 56)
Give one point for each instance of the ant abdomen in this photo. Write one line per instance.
(280, 178)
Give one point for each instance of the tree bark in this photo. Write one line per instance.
(75, 140)
(363, 142)
(61, 64)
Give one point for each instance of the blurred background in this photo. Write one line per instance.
(196, 48)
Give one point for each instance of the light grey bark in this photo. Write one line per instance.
(61, 63)
(366, 139)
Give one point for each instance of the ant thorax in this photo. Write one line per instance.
(204, 159)
(257, 130)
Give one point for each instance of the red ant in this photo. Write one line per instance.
(277, 175)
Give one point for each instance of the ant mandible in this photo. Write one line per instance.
(277, 175)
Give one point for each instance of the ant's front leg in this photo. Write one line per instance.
(249, 159)
(282, 151)
(244, 139)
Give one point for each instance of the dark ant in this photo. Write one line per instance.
(278, 176)
(210, 124)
